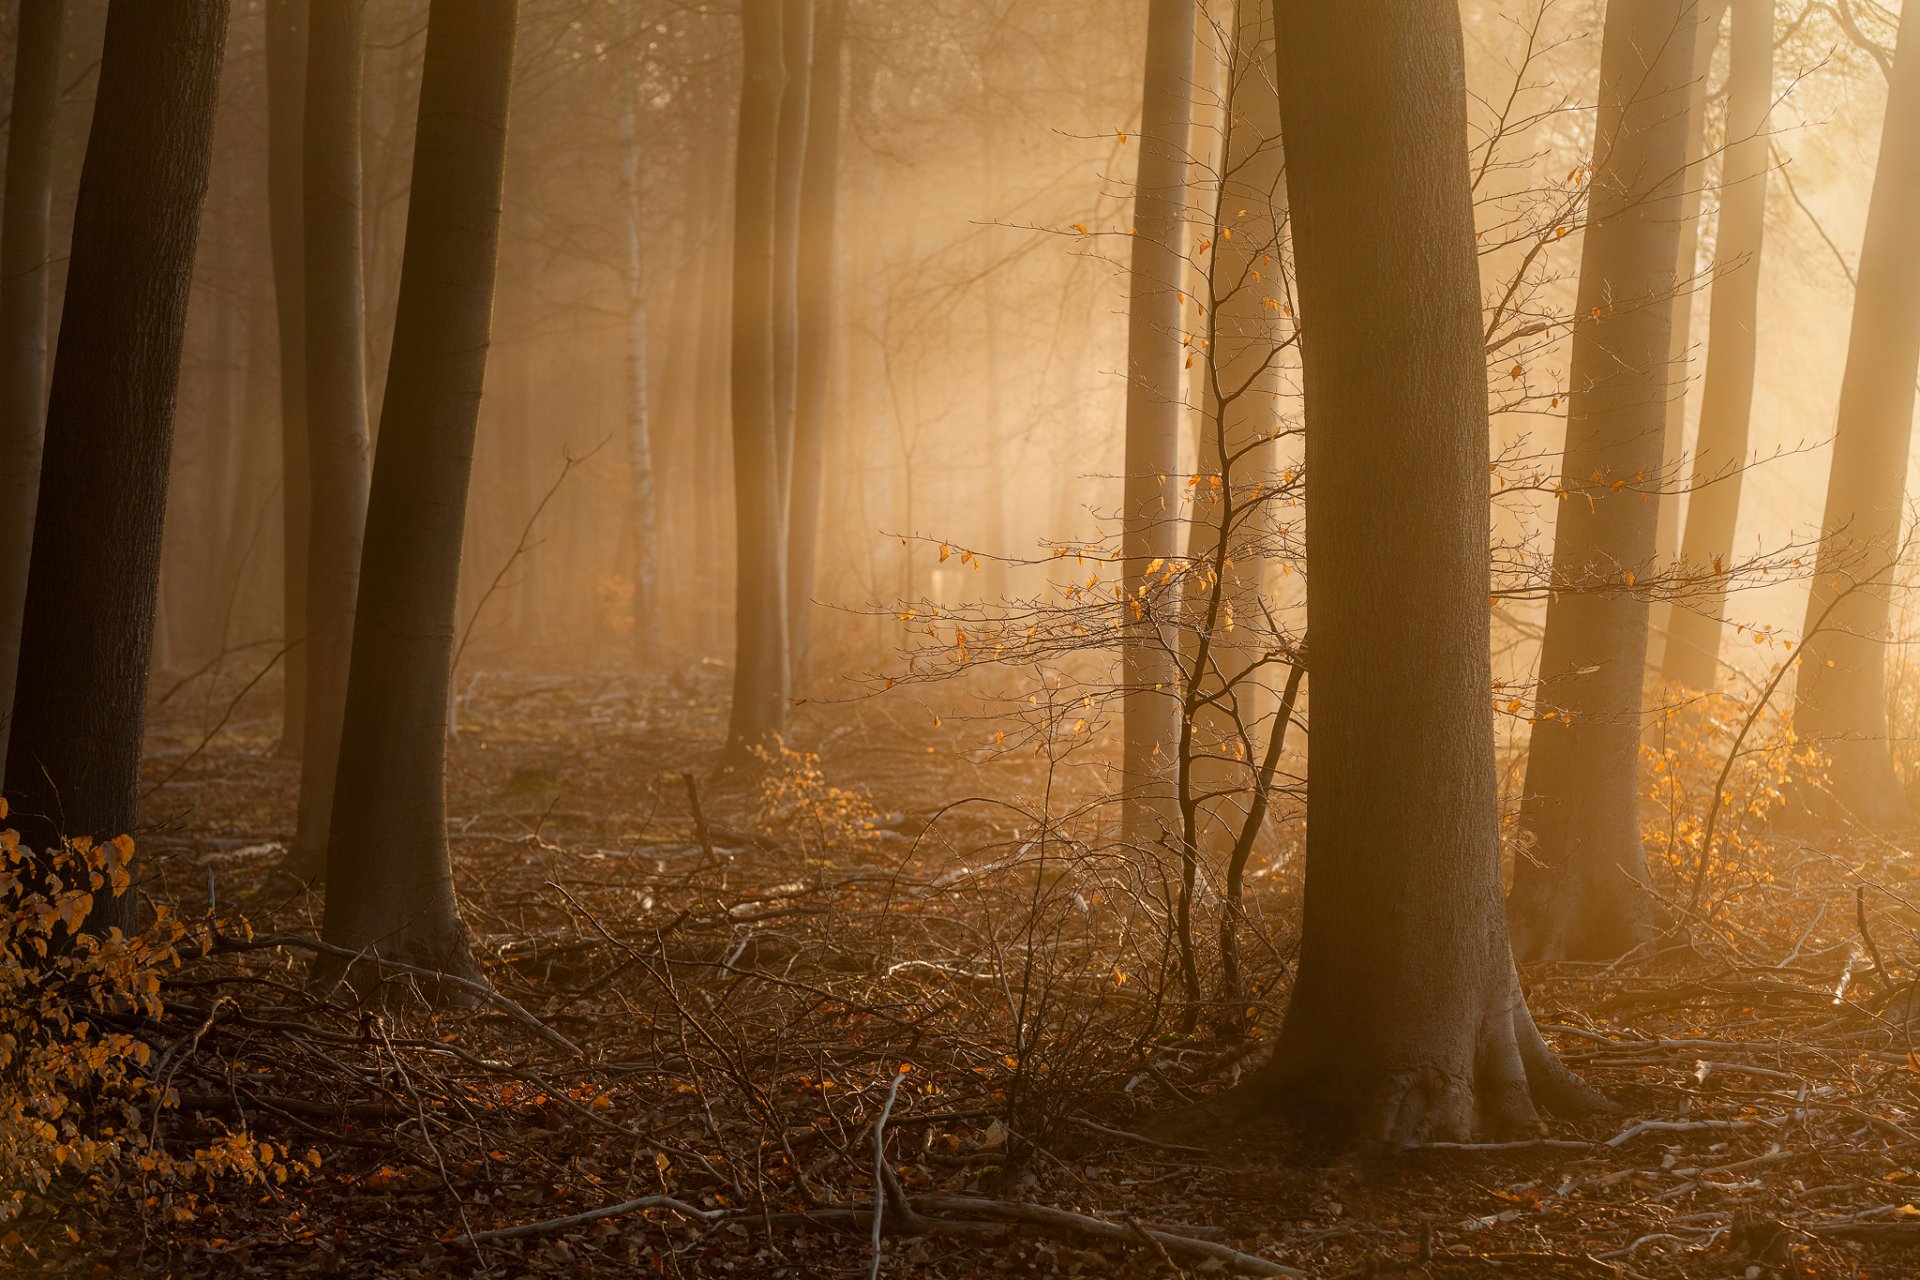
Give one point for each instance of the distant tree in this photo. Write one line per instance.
(819, 199)
(642, 484)
(1841, 699)
(1156, 410)
(336, 408)
(796, 41)
(1580, 888)
(389, 870)
(286, 105)
(1407, 1020)
(73, 757)
(1726, 403)
(760, 664)
(23, 311)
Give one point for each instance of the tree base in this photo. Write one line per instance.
(1595, 910)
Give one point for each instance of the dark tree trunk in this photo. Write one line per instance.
(1150, 507)
(819, 198)
(1726, 405)
(389, 872)
(760, 672)
(336, 413)
(23, 312)
(1407, 1021)
(1841, 701)
(1580, 889)
(73, 759)
(286, 105)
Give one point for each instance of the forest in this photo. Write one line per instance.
(944, 638)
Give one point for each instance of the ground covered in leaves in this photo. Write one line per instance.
(897, 967)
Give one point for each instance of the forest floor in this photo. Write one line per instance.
(735, 1007)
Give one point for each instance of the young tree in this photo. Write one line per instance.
(286, 104)
(336, 408)
(1150, 503)
(389, 870)
(819, 198)
(1407, 1020)
(1840, 701)
(1580, 890)
(760, 665)
(644, 522)
(23, 311)
(73, 757)
(1726, 405)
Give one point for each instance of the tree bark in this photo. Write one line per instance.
(389, 871)
(1726, 405)
(819, 199)
(1407, 1021)
(1841, 700)
(286, 104)
(796, 38)
(23, 312)
(760, 672)
(1150, 503)
(1580, 889)
(642, 518)
(336, 410)
(1667, 524)
(73, 760)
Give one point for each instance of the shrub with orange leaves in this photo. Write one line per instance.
(798, 804)
(81, 1088)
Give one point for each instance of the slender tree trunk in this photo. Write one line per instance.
(1150, 508)
(1726, 405)
(286, 99)
(1841, 701)
(819, 199)
(1666, 538)
(23, 312)
(796, 36)
(73, 760)
(1239, 385)
(336, 412)
(389, 871)
(642, 518)
(1580, 890)
(1407, 1021)
(761, 671)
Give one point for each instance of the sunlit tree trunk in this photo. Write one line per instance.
(1726, 404)
(760, 672)
(336, 416)
(796, 36)
(1841, 699)
(389, 872)
(286, 98)
(1580, 887)
(1239, 416)
(73, 759)
(642, 517)
(23, 312)
(819, 198)
(1407, 1020)
(1150, 505)
(1666, 538)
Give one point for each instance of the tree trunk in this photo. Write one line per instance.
(760, 671)
(1407, 1021)
(23, 313)
(796, 37)
(1150, 506)
(1239, 386)
(1666, 538)
(286, 105)
(73, 760)
(389, 872)
(1726, 405)
(642, 518)
(1841, 701)
(336, 413)
(819, 198)
(1580, 890)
